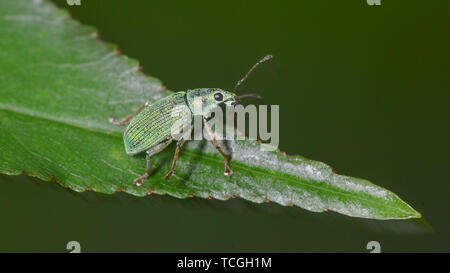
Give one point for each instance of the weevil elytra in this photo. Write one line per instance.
(151, 128)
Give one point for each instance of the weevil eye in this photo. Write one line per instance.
(218, 96)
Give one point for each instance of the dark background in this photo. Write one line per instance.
(362, 88)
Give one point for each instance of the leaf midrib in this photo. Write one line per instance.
(239, 165)
(39, 115)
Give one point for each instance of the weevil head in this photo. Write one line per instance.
(202, 101)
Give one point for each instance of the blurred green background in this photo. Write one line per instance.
(362, 88)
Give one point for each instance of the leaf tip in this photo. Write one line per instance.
(416, 214)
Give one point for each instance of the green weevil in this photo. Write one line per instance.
(152, 126)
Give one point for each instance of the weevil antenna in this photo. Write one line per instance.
(249, 96)
(266, 58)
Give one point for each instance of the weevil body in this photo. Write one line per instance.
(153, 126)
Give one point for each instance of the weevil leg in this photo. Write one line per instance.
(152, 151)
(212, 136)
(175, 157)
(127, 119)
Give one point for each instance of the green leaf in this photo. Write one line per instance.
(59, 84)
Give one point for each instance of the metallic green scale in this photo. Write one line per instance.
(156, 122)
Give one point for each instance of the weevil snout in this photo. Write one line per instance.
(232, 101)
